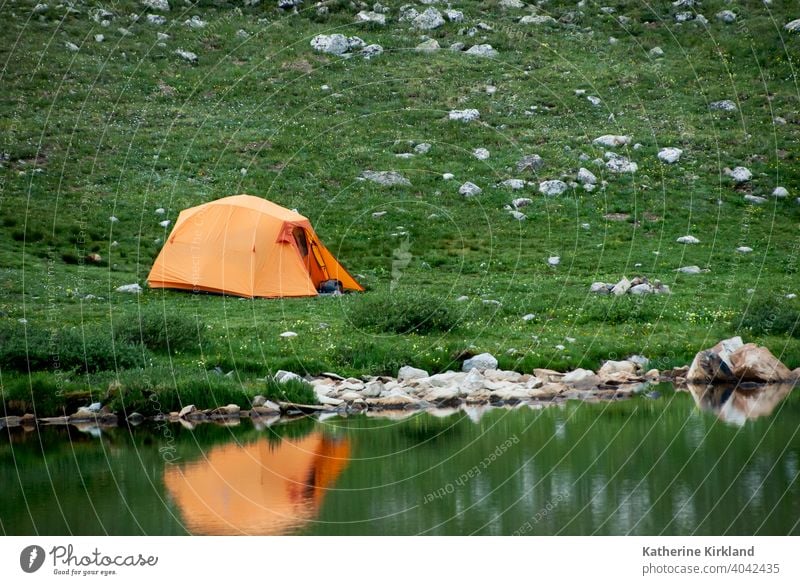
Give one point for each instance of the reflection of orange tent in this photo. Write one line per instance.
(257, 488)
(246, 246)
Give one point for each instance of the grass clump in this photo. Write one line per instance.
(294, 390)
(161, 331)
(403, 313)
(772, 316)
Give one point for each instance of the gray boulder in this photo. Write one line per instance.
(481, 362)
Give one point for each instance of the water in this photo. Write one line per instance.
(723, 463)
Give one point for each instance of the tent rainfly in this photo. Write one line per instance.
(249, 247)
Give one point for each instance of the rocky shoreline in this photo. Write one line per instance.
(479, 384)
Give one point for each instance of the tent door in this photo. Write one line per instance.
(312, 257)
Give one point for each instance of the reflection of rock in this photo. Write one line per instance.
(736, 404)
(257, 488)
(731, 360)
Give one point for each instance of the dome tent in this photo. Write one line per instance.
(246, 246)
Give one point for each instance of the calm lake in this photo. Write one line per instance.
(666, 463)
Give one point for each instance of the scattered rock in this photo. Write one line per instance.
(187, 410)
(724, 105)
(407, 373)
(481, 154)
(373, 17)
(469, 189)
(600, 288)
(538, 20)
(156, 19)
(482, 51)
(611, 140)
(714, 364)
(195, 22)
(521, 202)
(726, 16)
(554, 260)
(386, 178)
(288, 334)
(755, 199)
(741, 175)
(187, 56)
(656, 52)
(670, 155)
(744, 249)
(793, 26)
(622, 287)
(754, 363)
(514, 184)
(129, 288)
(162, 5)
(428, 46)
(552, 188)
(586, 177)
(371, 51)
(428, 20)
(780, 192)
(689, 270)
(72, 47)
(464, 115)
(620, 164)
(581, 378)
(481, 362)
(454, 15)
(687, 240)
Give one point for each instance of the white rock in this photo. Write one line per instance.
(580, 377)
(538, 20)
(726, 16)
(378, 214)
(687, 240)
(621, 287)
(482, 51)
(620, 164)
(284, 376)
(521, 202)
(484, 361)
(164, 223)
(335, 44)
(288, 334)
(39, 8)
(594, 100)
(113, 219)
(386, 178)
(670, 155)
(469, 189)
(793, 26)
(755, 199)
(641, 289)
(518, 215)
(374, 17)
(780, 192)
(552, 188)
(689, 270)
(407, 373)
(129, 288)
(160, 211)
(724, 105)
(186, 55)
(530, 162)
(195, 22)
(98, 38)
(371, 51)
(586, 177)
(454, 15)
(428, 46)
(72, 47)
(448, 176)
(529, 317)
(162, 5)
(156, 19)
(611, 140)
(656, 52)
(467, 115)
(428, 20)
(514, 184)
(481, 154)
(512, 4)
(599, 288)
(741, 174)
(554, 260)
(744, 249)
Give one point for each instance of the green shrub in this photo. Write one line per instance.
(772, 316)
(624, 309)
(296, 391)
(402, 313)
(161, 331)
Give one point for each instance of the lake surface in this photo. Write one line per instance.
(725, 462)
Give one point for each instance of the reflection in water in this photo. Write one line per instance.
(258, 487)
(736, 404)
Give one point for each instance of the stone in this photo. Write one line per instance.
(586, 177)
(156, 19)
(611, 140)
(258, 401)
(481, 154)
(371, 51)
(780, 192)
(288, 334)
(741, 174)
(446, 395)
(744, 249)
(242, 34)
(594, 100)
(512, 4)
(726, 16)
(187, 56)
(518, 215)
(793, 26)
(689, 270)
(187, 410)
(754, 199)
(515, 185)
(162, 5)
(714, 364)
(373, 17)
(641, 289)
(428, 46)
(467, 115)
(448, 176)
(620, 164)
(616, 371)
(386, 178)
(755, 363)
(621, 287)
(482, 51)
(656, 52)
(600, 288)
(581, 378)
(473, 382)
(129, 288)
(521, 202)
(530, 162)
(72, 47)
(283, 376)
(554, 260)
(469, 189)
(687, 240)
(428, 20)
(538, 20)
(724, 105)
(195, 22)
(98, 38)
(335, 44)
(552, 188)
(670, 155)
(165, 223)
(422, 148)
(484, 361)
(329, 400)
(454, 15)
(407, 373)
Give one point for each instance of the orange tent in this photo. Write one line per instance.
(257, 488)
(246, 246)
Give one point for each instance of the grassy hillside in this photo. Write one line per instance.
(124, 126)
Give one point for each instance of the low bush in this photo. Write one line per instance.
(161, 331)
(296, 391)
(403, 313)
(772, 316)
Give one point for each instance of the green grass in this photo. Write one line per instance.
(124, 127)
